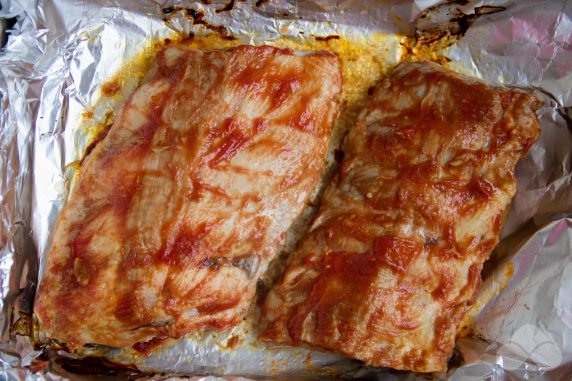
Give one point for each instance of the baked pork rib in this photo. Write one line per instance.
(395, 253)
(178, 210)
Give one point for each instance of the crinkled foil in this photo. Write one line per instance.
(59, 54)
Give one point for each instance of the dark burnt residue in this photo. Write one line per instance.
(98, 366)
(148, 346)
(339, 155)
(326, 38)
(488, 9)
(456, 359)
(197, 17)
(260, 3)
(40, 363)
(22, 326)
(228, 7)
(229, 37)
(111, 88)
(442, 25)
(168, 10)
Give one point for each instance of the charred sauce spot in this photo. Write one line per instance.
(260, 3)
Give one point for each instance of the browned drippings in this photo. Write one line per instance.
(326, 38)
(198, 18)
(110, 89)
(147, 347)
(98, 366)
(228, 7)
(433, 34)
(23, 326)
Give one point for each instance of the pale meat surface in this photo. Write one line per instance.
(395, 253)
(178, 210)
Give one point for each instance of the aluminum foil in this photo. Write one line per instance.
(60, 52)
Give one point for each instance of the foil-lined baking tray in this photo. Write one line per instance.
(61, 52)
